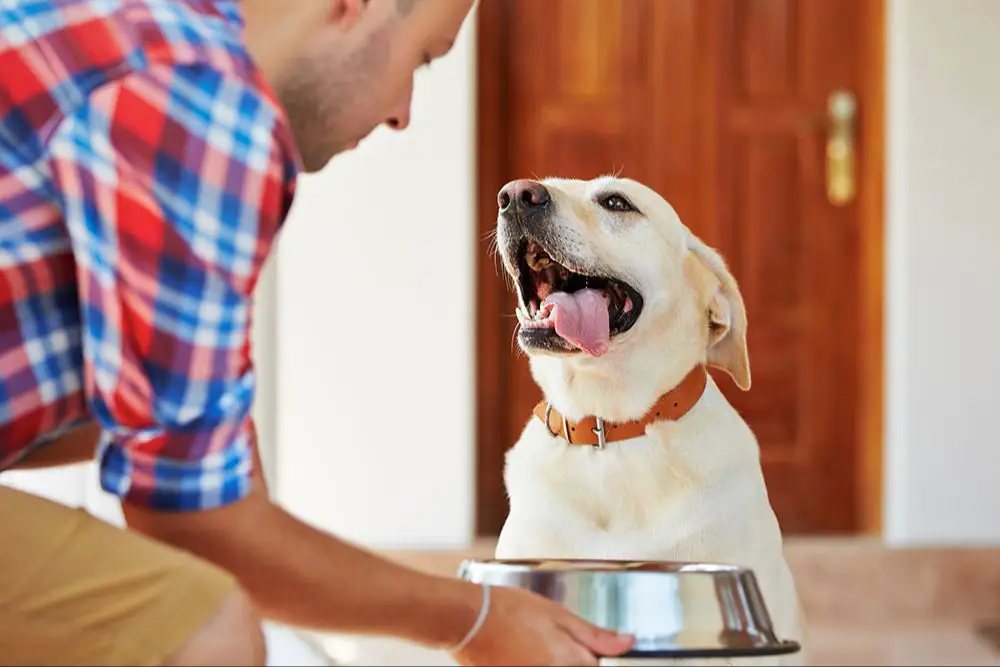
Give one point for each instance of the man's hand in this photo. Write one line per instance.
(522, 628)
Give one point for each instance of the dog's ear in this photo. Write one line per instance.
(726, 317)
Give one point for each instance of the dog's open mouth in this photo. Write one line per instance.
(564, 309)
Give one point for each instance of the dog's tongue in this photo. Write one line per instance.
(581, 318)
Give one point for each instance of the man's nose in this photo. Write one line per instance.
(399, 119)
(523, 195)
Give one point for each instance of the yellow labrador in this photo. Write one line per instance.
(635, 453)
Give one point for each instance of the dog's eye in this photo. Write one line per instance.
(616, 203)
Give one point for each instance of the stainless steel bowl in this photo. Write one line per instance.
(675, 610)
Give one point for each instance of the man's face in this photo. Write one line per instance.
(358, 71)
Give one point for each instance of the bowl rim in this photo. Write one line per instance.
(600, 566)
(780, 647)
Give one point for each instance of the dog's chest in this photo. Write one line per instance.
(623, 521)
(660, 540)
(639, 499)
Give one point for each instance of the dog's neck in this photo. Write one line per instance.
(617, 387)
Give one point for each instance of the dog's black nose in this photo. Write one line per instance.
(523, 195)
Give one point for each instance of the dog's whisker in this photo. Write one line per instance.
(492, 244)
(493, 250)
(496, 265)
(515, 350)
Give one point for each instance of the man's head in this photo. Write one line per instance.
(352, 68)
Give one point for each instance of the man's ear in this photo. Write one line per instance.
(346, 12)
(726, 318)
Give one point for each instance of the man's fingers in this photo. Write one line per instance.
(598, 640)
(580, 658)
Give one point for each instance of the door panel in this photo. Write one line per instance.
(721, 106)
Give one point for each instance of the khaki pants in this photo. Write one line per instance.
(75, 590)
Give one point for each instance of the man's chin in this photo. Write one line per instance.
(315, 160)
(312, 163)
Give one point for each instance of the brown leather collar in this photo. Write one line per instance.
(596, 432)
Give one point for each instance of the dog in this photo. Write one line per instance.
(621, 309)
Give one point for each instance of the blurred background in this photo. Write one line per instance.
(844, 155)
(870, 281)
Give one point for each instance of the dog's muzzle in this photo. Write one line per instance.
(523, 199)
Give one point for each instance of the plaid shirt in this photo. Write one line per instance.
(145, 168)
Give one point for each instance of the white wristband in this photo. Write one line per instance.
(477, 626)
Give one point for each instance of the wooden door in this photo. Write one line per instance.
(721, 106)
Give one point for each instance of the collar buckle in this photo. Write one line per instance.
(600, 432)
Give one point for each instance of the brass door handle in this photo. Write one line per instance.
(840, 148)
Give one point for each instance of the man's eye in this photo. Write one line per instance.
(616, 203)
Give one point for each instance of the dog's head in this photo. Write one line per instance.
(611, 283)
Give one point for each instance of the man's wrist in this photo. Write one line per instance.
(443, 615)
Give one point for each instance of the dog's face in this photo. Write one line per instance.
(606, 272)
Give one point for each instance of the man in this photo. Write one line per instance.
(148, 150)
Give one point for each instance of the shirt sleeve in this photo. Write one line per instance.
(173, 184)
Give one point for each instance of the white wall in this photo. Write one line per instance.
(375, 311)
(264, 339)
(943, 453)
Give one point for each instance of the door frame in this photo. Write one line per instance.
(491, 163)
(871, 212)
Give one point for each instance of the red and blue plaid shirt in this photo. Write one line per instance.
(145, 168)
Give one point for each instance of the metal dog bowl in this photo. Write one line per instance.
(674, 610)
